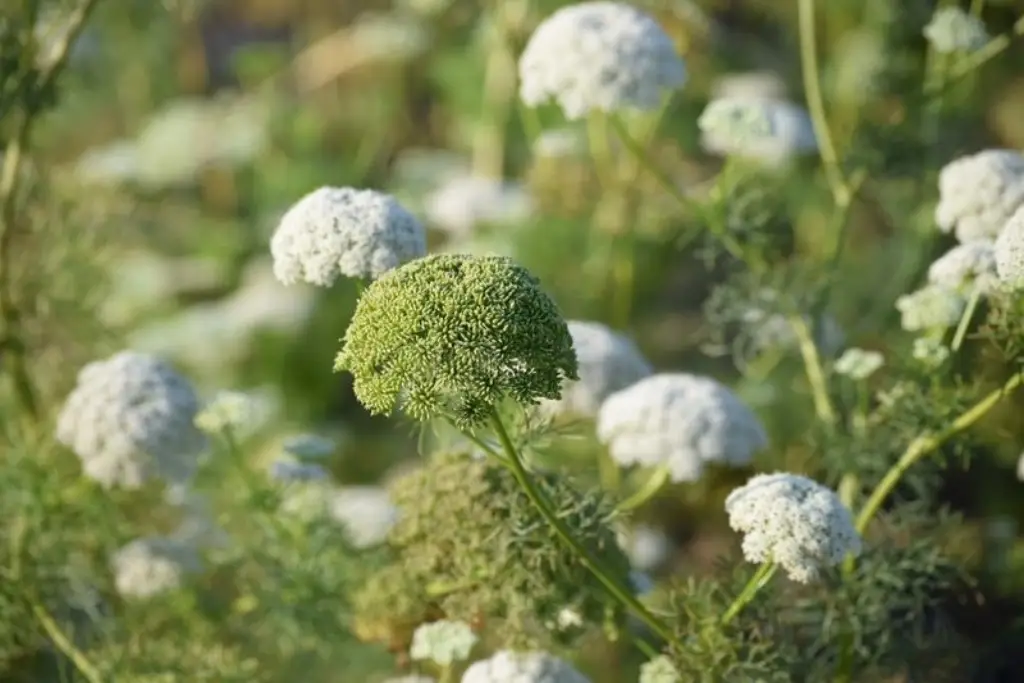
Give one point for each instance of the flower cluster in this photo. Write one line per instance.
(966, 266)
(979, 192)
(465, 202)
(933, 308)
(150, 566)
(443, 642)
(1009, 252)
(523, 667)
(859, 364)
(954, 30)
(767, 129)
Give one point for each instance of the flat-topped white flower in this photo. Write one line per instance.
(952, 30)
(979, 192)
(443, 642)
(366, 513)
(966, 266)
(464, 202)
(506, 666)
(681, 422)
(344, 232)
(763, 129)
(608, 362)
(859, 364)
(599, 56)
(793, 521)
(129, 419)
(149, 566)
(1009, 252)
(932, 308)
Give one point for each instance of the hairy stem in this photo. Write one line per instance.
(618, 591)
(928, 443)
(758, 581)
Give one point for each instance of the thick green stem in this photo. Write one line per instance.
(758, 581)
(618, 591)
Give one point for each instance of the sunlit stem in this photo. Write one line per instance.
(656, 480)
(499, 78)
(758, 581)
(623, 594)
(814, 369)
(608, 471)
(965, 319)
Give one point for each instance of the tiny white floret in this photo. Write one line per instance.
(506, 666)
(858, 364)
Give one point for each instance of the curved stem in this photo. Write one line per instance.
(927, 443)
(758, 581)
(965, 320)
(650, 488)
(815, 372)
(618, 591)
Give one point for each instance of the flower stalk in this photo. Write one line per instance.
(758, 581)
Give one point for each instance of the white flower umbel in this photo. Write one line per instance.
(443, 642)
(858, 364)
(930, 351)
(1009, 252)
(930, 309)
(954, 30)
(646, 547)
(344, 232)
(608, 362)
(659, 670)
(365, 512)
(966, 266)
(681, 422)
(465, 202)
(506, 666)
(979, 192)
(149, 566)
(130, 418)
(599, 56)
(793, 521)
(762, 129)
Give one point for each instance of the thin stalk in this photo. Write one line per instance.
(928, 443)
(488, 158)
(621, 593)
(977, 7)
(976, 59)
(655, 482)
(816, 104)
(446, 675)
(965, 320)
(758, 581)
(815, 370)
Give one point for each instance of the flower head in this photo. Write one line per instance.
(952, 30)
(443, 642)
(608, 362)
(681, 421)
(599, 56)
(334, 232)
(149, 566)
(979, 192)
(932, 308)
(1009, 252)
(456, 334)
(766, 129)
(366, 513)
(659, 670)
(930, 351)
(793, 521)
(965, 266)
(859, 364)
(506, 666)
(129, 418)
(464, 202)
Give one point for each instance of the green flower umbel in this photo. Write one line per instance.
(453, 335)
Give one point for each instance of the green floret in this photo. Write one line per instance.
(453, 335)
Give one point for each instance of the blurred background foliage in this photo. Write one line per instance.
(185, 128)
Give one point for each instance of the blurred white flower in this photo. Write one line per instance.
(334, 232)
(861, 58)
(306, 501)
(979, 192)
(761, 129)
(758, 85)
(603, 56)
(659, 670)
(858, 364)
(388, 36)
(568, 619)
(679, 421)
(793, 521)
(443, 642)
(237, 412)
(462, 203)
(966, 266)
(768, 331)
(1009, 252)
(130, 418)
(115, 163)
(285, 470)
(608, 362)
(149, 566)
(930, 309)
(560, 143)
(365, 512)
(506, 666)
(952, 30)
(646, 547)
(930, 351)
(262, 303)
(306, 447)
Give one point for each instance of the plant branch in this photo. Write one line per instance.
(814, 369)
(758, 581)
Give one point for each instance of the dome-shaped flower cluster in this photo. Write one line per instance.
(759, 128)
(680, 421)
(599, 56)
(979, 192)
(930, 309)
(506, 666)
(130, 418)
(465, 202)
(608, 362)
(334, 232)
(443, 642)
(952, 30)
(793, 521)
(149, 566)
(1009, 252)
(966, 266)
(453, 334)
